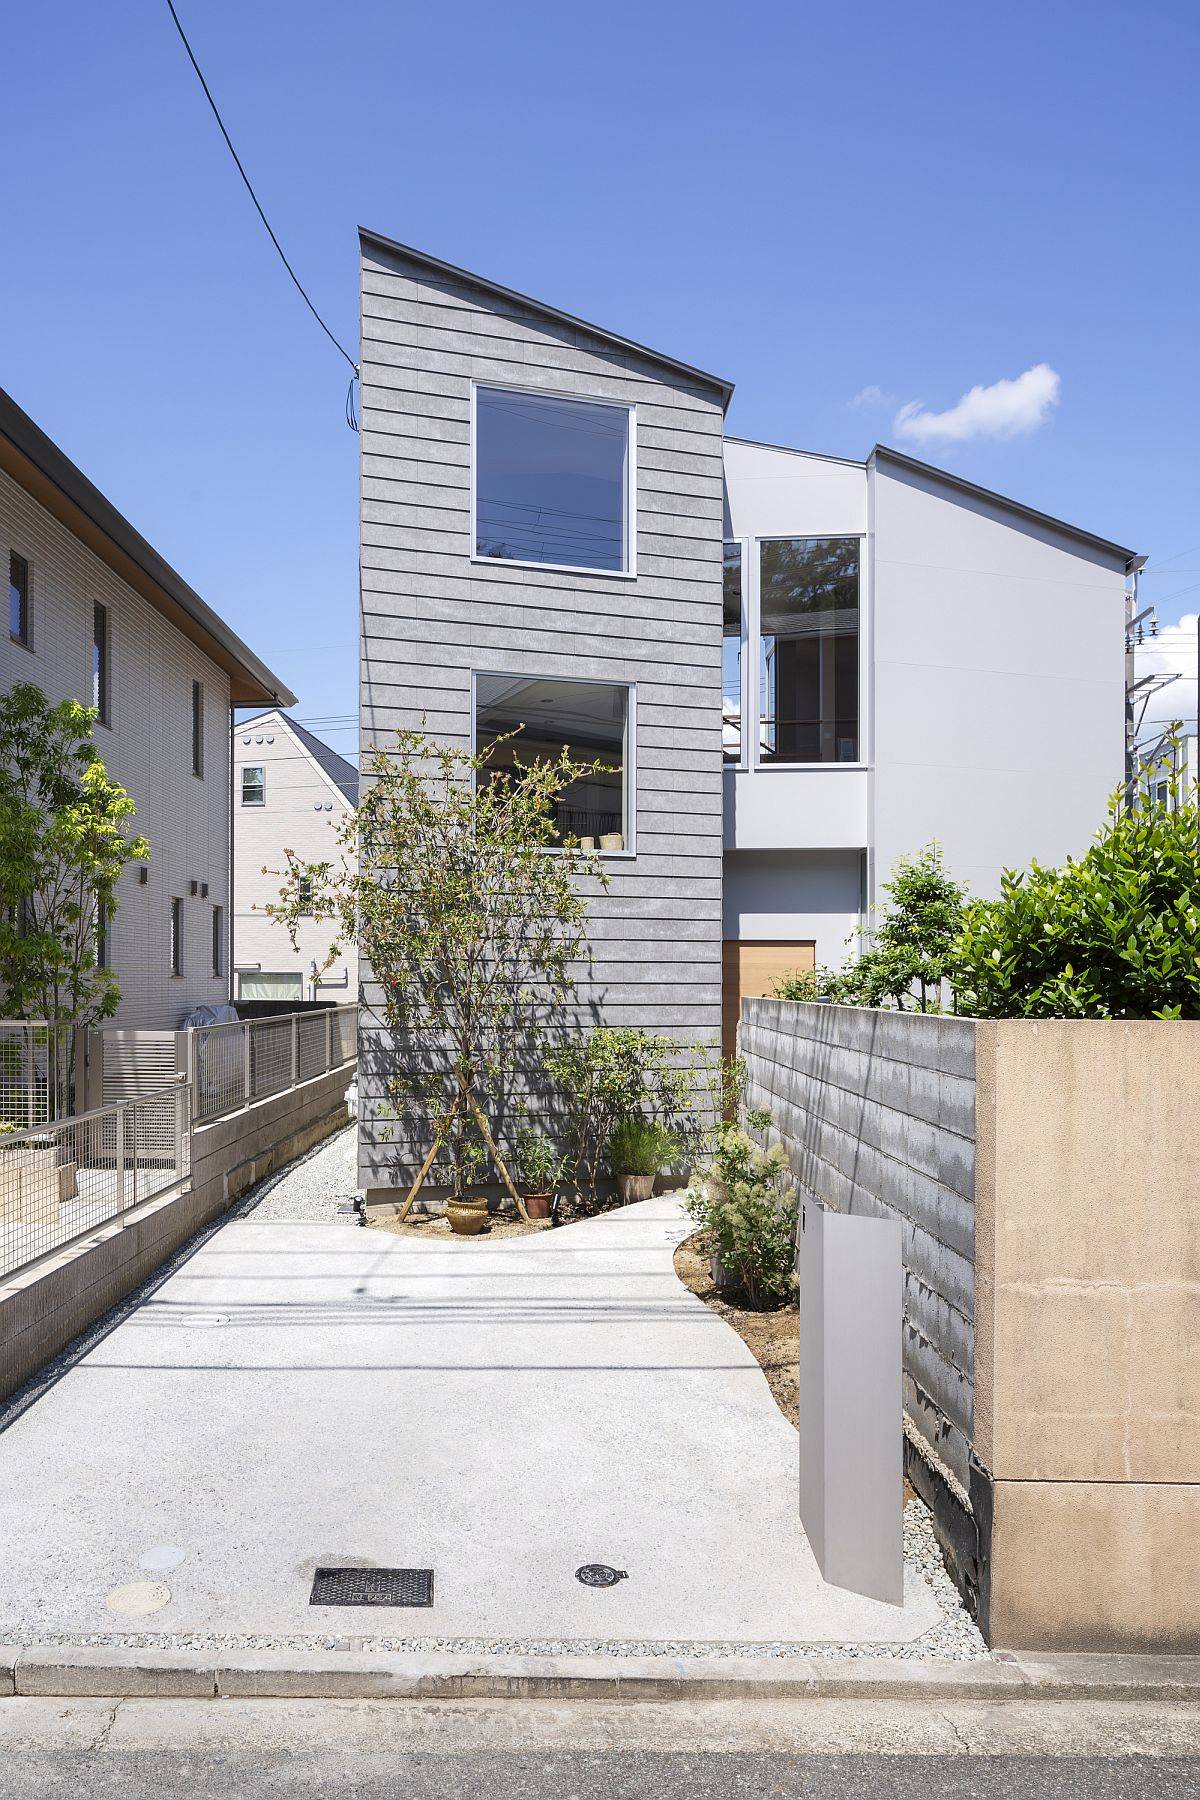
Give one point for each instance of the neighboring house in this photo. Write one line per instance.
(291, 791)
(556, 533)
(95, 614)
(1169, 771)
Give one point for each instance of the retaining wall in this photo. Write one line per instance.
(1047, 1174)
(44, 1307)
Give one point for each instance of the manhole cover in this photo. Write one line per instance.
(372, 1587)
(600, 1575)
(137, 1599)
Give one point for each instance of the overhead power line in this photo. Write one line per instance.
(299, 285)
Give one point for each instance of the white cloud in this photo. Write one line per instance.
(872, 396)
(1005, 409)
(1173, 651)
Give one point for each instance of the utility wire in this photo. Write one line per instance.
(340, 348)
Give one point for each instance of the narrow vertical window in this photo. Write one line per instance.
(731, 657)
(101, 936)
(177, 937)
(304, 896)
(218, 940)
(197, 728)
(100, 642)
(808, 650)
(18, 599)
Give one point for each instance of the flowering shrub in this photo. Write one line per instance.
(747, 1209)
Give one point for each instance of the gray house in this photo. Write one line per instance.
(795, 667)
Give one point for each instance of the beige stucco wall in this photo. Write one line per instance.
(302, 812)
(147, 747)
(1087, 1329)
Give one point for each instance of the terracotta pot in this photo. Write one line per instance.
(635, 1187)
(467, 1216)
(539, 1206)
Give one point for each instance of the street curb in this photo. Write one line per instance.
(53, 1671)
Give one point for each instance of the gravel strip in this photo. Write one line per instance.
(311, 1189)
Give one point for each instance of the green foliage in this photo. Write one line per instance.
(538, 1166)
(747, 1207)
(472, 930)
(1112, 935)
(613, 1074)
(912, 950)
(65, 839)
(639, 1146)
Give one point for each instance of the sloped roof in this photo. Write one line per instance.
(37, 464)
(343, 774)
(438, 267)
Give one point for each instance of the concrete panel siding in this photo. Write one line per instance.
(431, 617)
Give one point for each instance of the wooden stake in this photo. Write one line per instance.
(488, 1139)
(423, 1171)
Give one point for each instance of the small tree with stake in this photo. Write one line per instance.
(64, 840)
(471, 914)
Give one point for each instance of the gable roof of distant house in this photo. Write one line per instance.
(438, 267)
(37, 464)
(882, 453)
(343, 774)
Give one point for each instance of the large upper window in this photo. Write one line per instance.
(588, 719)
(731, 657)
(552, 481)
(808, 650)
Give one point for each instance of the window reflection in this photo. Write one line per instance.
(551, 479)
(588, 719)
(808, 650)
(731, 657)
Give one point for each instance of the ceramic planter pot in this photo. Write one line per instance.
(635, 1187)
(539, 1206)
(612, 840)
(467, 1216)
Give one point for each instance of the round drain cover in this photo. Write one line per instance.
(600, 1575)
(139, 1598)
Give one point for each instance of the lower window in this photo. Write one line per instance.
(587, 719)
(260, 985)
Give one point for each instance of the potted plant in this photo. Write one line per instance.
(468, 1216)
(539, 1170)
(637, 1149)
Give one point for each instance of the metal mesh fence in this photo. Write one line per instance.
(233, 1065)
(34, 1059)
(61, 1180)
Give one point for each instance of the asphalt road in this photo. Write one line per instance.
(357, 1750)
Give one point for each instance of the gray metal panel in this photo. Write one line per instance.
(431, 616)
(851, 1438)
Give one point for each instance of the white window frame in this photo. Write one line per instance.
(242, 800)
(629, 794)
(746, 546)
(752, 675)
(629, 573)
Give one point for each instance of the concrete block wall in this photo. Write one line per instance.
(877, 1112)
(43, 1309)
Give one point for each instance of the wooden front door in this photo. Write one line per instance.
(749, 969)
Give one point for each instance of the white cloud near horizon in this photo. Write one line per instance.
(1007, 408)
(1173, 651)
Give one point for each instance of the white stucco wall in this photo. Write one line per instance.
(303, 809)
(147, 748)
(998, 681)
(793, 896)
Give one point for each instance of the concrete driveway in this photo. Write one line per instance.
(306, 1393)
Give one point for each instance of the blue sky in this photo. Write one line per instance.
(911, 202)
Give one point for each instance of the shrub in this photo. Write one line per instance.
(538, 1167)
(610, 1074)
(1112, 935)
(640, 1146)
(747, 1208)
(912, 948)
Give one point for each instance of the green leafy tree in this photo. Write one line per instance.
(1114, 934)
(453, 881)
(610, 1076)
(65, 838)
(913, 948)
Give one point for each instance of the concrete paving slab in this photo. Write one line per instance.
(305, 1394)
